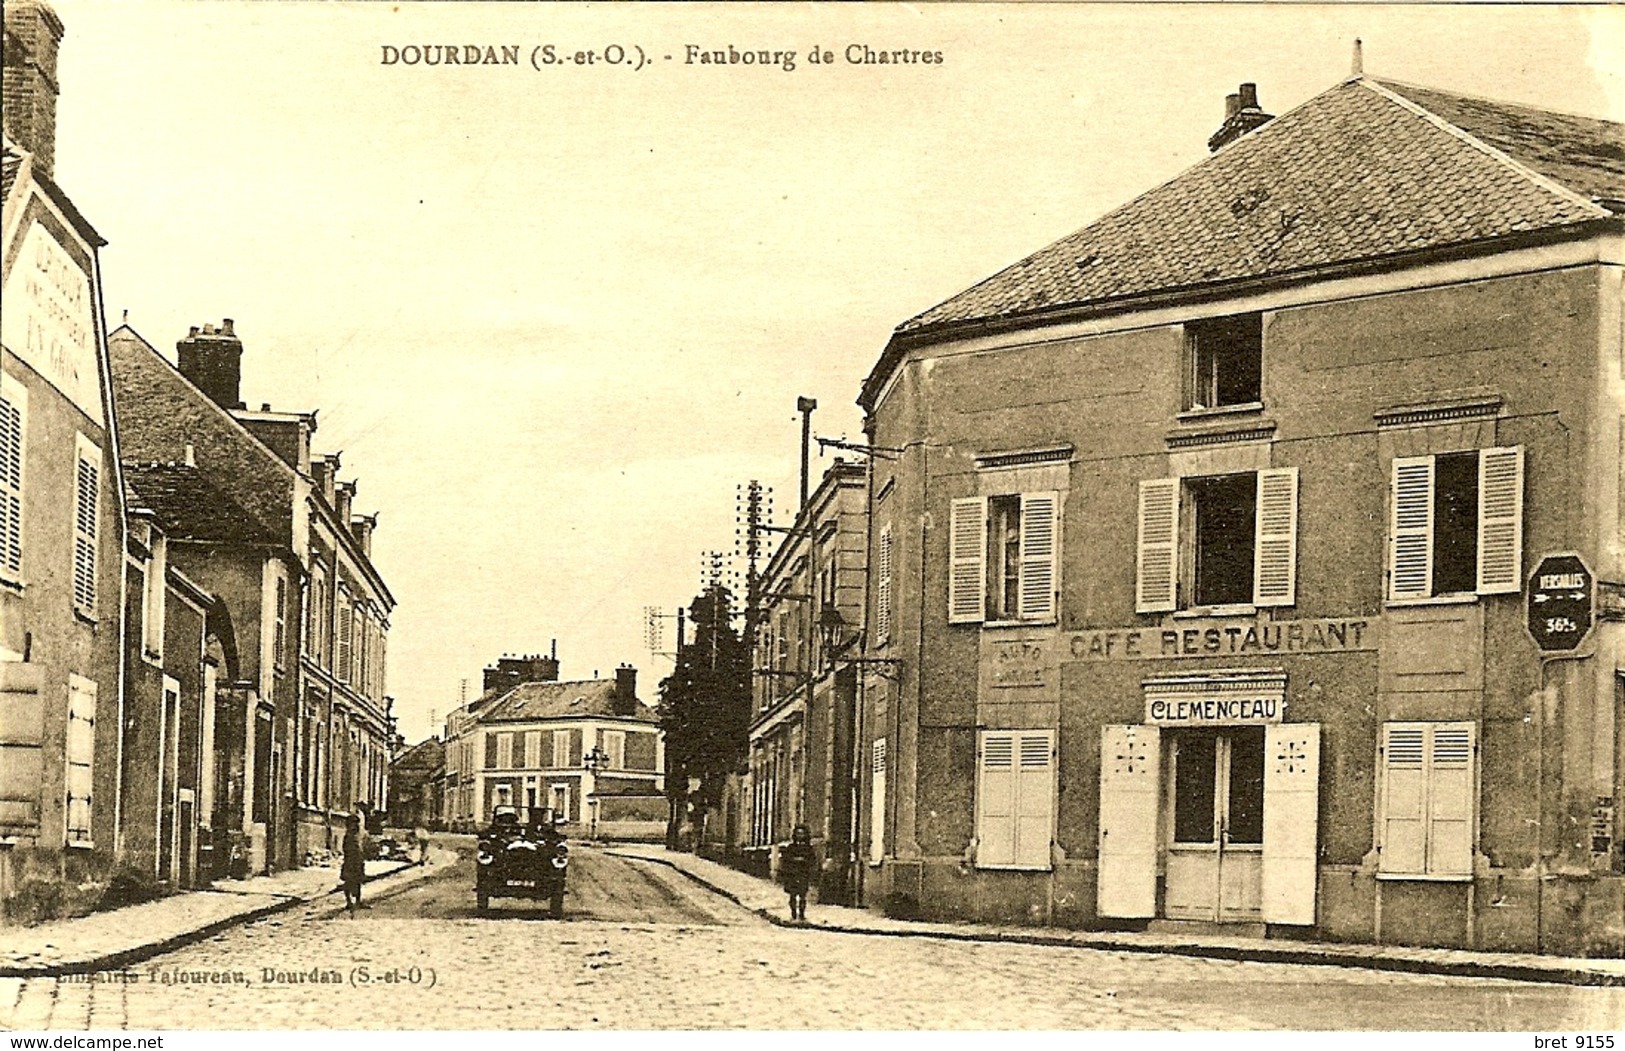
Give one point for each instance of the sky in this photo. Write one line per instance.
(553, 315)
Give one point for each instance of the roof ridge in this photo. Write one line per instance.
(1386, 81)
(1543, 181)
(1251, 136)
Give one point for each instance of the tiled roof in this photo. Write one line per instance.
(427, 754)
(10, 164)
(1356, 173)
(188, 506)
(558, 700)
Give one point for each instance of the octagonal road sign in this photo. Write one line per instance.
(1561, 602)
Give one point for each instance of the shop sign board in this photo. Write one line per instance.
(1560, 603)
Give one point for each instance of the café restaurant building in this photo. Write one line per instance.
(1211, 533)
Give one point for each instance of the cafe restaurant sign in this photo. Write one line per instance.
(1228, 638)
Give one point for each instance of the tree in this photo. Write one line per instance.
(705, 710)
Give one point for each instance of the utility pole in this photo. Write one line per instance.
(805, 406)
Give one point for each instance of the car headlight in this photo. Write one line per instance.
(560, 861)
(485, 859)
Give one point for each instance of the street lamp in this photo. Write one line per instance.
(592, 761)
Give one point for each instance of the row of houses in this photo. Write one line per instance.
(1191, 577)
(192, 631)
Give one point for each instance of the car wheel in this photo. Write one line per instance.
(558, 903)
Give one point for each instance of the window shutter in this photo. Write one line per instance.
(883, 587)
(1410, 534)
(1404, 768)
(877, 804)
(1130, 790)
(561, 749)
(1291, 813)
(1450, 800)
(1500, 520)
(967, 560)
(1275, 561)
(1156, 588)
(81, 755)
(84, 533)
(996, 801)
(22, 737)
(1040, 554)
(490, 751)
(11, 477)
(1035, 798)
(341, 657)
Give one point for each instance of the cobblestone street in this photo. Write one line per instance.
(642, 947)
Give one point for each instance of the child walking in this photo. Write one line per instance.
(797, 863)
(353, 869)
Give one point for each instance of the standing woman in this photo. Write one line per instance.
(354, 868)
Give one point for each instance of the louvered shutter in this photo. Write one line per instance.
(81, 755)
(1035, 798)
(87, 487)
(11, 480)
(1450, 800)
(22, 737)
(1404, 796)
(344, 639)
(996, 801)
(1040, 554)
(1275, 561)
(877, 803)
(1500, 520)
(967, 560)
(883, 586)
(1130, 789)
(1156, 588)
(1291, 801)
(1410, 533)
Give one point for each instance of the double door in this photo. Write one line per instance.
(1215, 791)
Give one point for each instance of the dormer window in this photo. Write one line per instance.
(1224, 358)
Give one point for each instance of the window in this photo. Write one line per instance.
(81, 749)
(491, 751)
(1015, 796)
(1425, 827)
(615, 748)
(343, 637)
(1225, 361)
(532, 755)
(883, 571)
(561, 749)
(1456, 524)
(1003, 554)
(316, 616)
(86, 526)
(1216, 541)
(13, 431)
(504, 751)
(22, 740)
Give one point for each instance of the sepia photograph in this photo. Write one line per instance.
(883, 518)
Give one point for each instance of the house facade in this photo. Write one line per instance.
(588, 749)
(416, 780)
(1211, 532)
(61, 514)
(804, 695)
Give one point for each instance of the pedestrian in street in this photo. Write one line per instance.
(353, 869)
(797, 863)
(421, 834)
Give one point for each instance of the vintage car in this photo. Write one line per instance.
(521, 854)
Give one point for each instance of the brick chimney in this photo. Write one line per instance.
(33, 35)
(361, 527)
(323, 468)
(626, 691)
(510, 671)
(212, 358)
(343, 494)
(1241, 115)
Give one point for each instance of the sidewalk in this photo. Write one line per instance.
(768, 901)
(120, 937)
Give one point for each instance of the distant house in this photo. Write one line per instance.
(588, 749)
(416, 779)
